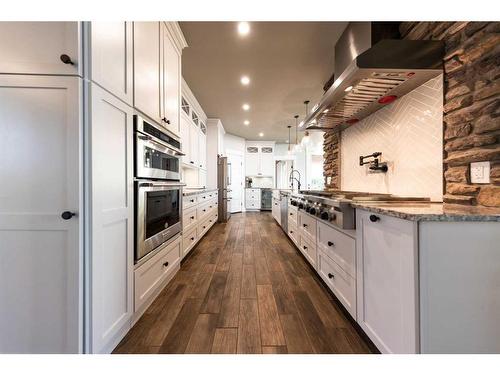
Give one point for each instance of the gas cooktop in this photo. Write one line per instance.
(334, 206)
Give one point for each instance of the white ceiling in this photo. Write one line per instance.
(287, 62)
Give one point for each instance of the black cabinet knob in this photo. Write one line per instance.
(330, 243)
(304, 225)
(165, 264)
(192, 162)
(192, 238)
(374, 218)
(66, 59)
(192, 217)
(66, 215)
(305, 247)
(331, 276)
(291, 232)
(164, 119)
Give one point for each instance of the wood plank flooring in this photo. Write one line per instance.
(245, 288)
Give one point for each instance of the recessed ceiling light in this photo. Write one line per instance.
(245, 107)
(243, 28)
(348, 88)
(301, 124)
(246, 122)
(245, 80)
(261, 134)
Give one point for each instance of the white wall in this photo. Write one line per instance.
(409, 133)
(234, 144)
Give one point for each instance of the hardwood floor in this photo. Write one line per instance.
(245, 288)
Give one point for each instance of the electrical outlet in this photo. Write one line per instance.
(480, 172)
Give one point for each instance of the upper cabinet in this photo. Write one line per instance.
(259, 159)
(171, 90)
(147, 69)
(111, 58)
(40, 48)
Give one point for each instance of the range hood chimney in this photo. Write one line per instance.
(373, 67)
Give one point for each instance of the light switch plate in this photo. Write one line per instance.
(480, 172)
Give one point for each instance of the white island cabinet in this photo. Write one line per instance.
(387, 281)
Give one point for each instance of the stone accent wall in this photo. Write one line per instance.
(471, 108)
(331, 164)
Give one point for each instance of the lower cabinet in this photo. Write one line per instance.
(276, 210)
(200, 212)
(252, 199)
(156, 272)
(387, 274)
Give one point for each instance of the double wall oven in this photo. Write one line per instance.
(158, 189)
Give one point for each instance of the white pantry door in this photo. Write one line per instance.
(40, 252)
(236, 182)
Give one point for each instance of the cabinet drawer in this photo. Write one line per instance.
(253, 196)
(292, 233)
(149, 276)
(309, 250)
(189, 217)
(203, 211)
(189, 239)
(213, 194)
(308, 227)
(339, 281)
(253, 205)
(253, 191)
(338, 246)
(189, 201)
(292, 216)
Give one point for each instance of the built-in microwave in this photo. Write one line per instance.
(159, 215)
(157, 152)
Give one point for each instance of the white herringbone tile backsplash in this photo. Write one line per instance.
(409, 133)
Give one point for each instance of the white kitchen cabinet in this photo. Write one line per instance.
(148, 76)
(215, 147)
(111, 57)
(41, 254)
(194, 139)
(267, 160)
(276, 209)
(185, 139)
(37, 47)
(171, 85)
(112, 224)
(386, 272)
(259, 159)
(252, 199)
(202, 146)
(202, 178)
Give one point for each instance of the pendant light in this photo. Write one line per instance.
(305, 139)
(296, 144)
(289, 145)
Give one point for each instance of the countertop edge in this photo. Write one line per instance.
(189, 192)
(428, 216)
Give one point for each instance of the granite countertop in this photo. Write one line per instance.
(191, 191)
(431, 211)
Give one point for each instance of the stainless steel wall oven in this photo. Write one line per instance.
(158, 190)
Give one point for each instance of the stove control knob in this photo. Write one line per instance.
(312, 211)
(301, 205)
(325, 215)
(333, 217)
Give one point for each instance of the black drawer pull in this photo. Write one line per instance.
(305, 247)
(192, 238)
(330, 243)
(204, 210)
(192, 162)
(192, 217)
(165, 264)
(192, 200)
(331, 276)
(164, 119)
(304, 225)
(374, 218)
(66, 215)
(66, 59)
(291, 214)
(291, 232)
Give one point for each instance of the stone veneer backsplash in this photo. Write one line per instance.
(471, 121)
(409, 133)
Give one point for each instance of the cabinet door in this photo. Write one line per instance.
(386, 273)
(147, 72)
(194, 140)
(252, 161)
(266, 165)
(112, 219)
(171, 92)
(36, 47)
(111, 57)
(202, 178)
(40, 252)
(202, 162)
(185, 139)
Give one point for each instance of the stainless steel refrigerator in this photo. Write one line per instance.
(223, 183)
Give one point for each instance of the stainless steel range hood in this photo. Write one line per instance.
(374, 72)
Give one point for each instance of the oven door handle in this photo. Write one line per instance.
(148, 138)
(153, 184)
